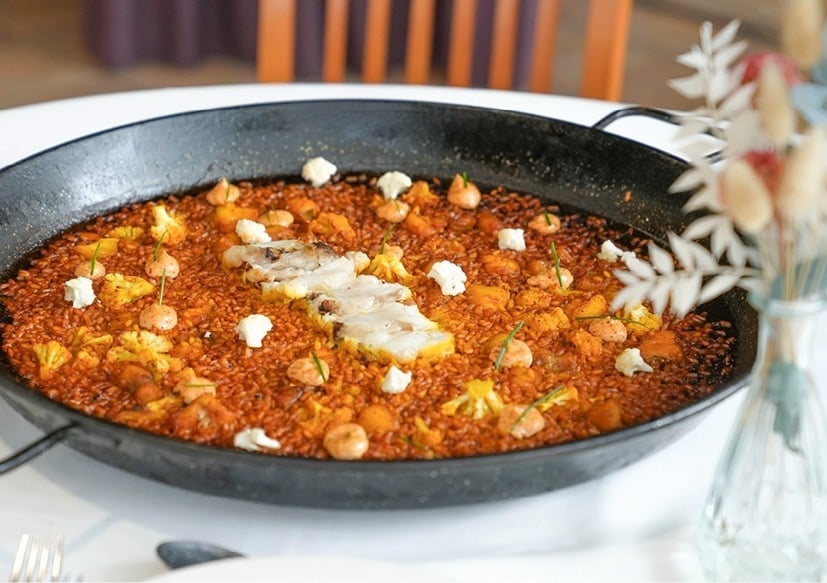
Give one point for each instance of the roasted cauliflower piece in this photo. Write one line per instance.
(641, 320)
(51, 356)
(126, 233)
(328, 224)
(147, 349)
(389, 267)
(100, 249)
(478, 400)
(119, 290)
(168, 226)
(88, 348)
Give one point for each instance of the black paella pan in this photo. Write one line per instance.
(568, 164)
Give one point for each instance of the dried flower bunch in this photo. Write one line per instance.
(765, 203)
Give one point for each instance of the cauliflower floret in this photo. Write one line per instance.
(630, 361)
(317, 171)
(255, 439)
(79, 291)
(641, 320)
(126, 233)
(51, 356)
(449, 276)
(511, 239)
(394, 183)
(388, 267)
(253, 328)
(478, 400)
(396, 381)
(119, 289)
(88, 348)
(145, 348)
(100, 249)
(251, 232)
(167, 225)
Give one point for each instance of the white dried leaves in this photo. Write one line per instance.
(801, 28)
(802, 184)
(745, 197)
(773, 103)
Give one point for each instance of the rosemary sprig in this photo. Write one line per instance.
(319, 366)
(158, 246)
(619, 318)
(556, 264)
(547, 397)
(94, 259)
(163, 285)
(385, 236)
(505, 344)
(547, 217)
(464, 176)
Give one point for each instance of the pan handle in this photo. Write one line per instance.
(34, 449)
(658, 114)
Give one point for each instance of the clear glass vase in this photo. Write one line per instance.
(765, 518)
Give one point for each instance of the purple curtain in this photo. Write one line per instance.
(123, 32)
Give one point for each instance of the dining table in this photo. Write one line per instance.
(638, 523)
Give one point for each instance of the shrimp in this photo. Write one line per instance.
(545, 223)
(609, 330)
(517, 353)
(85, 269)
(549, 279)
(393, 211)
(347, 441)
(519, 421)
(305, 371)
(463, 193)
(158, 316)
(163, 264)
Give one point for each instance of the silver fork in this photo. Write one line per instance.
(36, 559)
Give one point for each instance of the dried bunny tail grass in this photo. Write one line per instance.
(745, 197)
(802, 181)
(801, 27)
(773, 104)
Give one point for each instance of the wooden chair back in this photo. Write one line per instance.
(604, 53)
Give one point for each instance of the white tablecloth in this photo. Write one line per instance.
(636, 524)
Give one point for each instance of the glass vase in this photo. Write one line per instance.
(765, 517)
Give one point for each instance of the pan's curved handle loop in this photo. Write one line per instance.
(658, 114)
(33, 450)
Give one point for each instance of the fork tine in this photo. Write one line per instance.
(45, 548)
(19, 558)
(34, 552)
(37, 559)
(57, 558)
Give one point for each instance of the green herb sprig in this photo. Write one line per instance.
(556, 259)
(163, 285)
(464, 176)
(319, 366)
(385, 236)
(505, 344)
(157, 249)
(544, 399)
(94, 259)
(547, 217)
